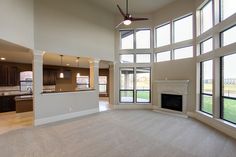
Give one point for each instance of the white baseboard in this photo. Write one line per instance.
(47, 120)
(223, 126)
(139, 106)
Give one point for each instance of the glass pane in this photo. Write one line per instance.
(227, 8)
(26, 76)
(229, 76)
(127, 58)
(82, 80)
(230, 110)
(143, 78)
(206, 17)
(143, 39)
(143, 96)
(183, 29)
(229, 36)
(126, 96)
(127, 78)
(206, 46)
(102, 88)
(102, 79)
(127, 39)
(206, 104)
(143, 58)
(207, 81)
(181, 53)
(163, 35)
(163, 56)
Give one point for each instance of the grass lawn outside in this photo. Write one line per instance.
(229, 108)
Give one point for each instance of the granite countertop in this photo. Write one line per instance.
(78, 90)
(13, 93)
(24, 97)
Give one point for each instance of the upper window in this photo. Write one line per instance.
(127, 58)
(183, 29)
(103, 84)
(206, 17)
(228, 36)
(163, 56)
(143, 58)
(26, 81)
(127, 39)
(185, 52)
(206, 46)
(227, 8)
(82, 82)
(143, 38)
(163, 35)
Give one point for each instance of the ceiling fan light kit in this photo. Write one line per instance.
(128, 17)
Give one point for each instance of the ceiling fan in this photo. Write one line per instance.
(128, 17)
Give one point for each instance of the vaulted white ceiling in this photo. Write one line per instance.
(135, 6)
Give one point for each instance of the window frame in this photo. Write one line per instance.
(205, 41)
(81, 84)
(182, 47)
(201, 16)
(222, 97)
(221, 35)
(171, 33)
(201, 90)
(120, 47)
(170, 52)
(103, 84)
(134, 60)
(173, 28)
(138, 90)
(135, 38)
(143, 54)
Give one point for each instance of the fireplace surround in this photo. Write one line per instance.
(172, 87)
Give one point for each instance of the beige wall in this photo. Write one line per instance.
(184, 69)
(74, 27)
(17, 22)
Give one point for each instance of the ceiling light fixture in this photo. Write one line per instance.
(127, 22)
(61, 73)
(3, 59)
(77, 61)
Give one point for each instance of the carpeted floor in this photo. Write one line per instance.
(119, 133)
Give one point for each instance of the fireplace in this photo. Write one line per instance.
(171, 95)
(172, 102)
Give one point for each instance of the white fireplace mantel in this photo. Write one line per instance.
(177, 87)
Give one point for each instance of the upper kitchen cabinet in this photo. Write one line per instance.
(9, 75)
(49, 76)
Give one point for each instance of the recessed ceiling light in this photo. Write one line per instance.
(67, 64)
(3, 59)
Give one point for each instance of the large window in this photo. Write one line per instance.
(206, 17)
(163, 56)
(206, 102)
(227, 8)
(228, 88)
(103, 85)
(228, 36)
(143, 85)
(26, 81)
(126, 85)
(163, 35)
(127, 58)
(206, 46)
(182, 53)
(82, 82)
(183, 29)
(143, 58)
(127, 39)
(143, 39)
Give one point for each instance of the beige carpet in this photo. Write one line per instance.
(131, 133)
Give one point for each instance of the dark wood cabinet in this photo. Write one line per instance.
(9, 75)
(49, 76)
(7, 103)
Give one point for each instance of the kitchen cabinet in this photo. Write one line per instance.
(49, 76)
(7, 103)
(9, 75)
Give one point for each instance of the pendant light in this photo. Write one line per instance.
(77, 60)
(61, 73)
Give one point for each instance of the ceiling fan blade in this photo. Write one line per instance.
(138, 19)
(121, 11)
(119, 24)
